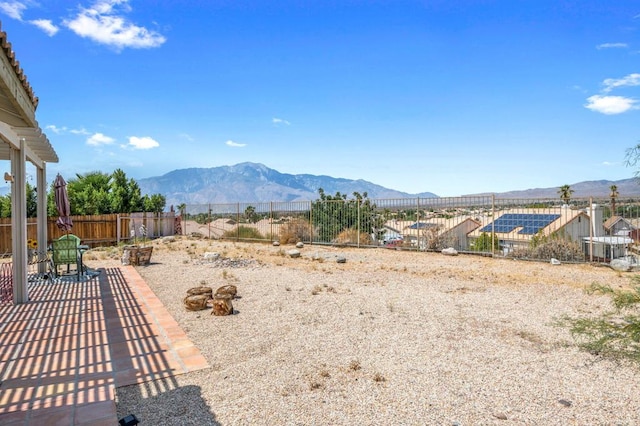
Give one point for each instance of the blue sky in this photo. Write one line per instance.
(451, 97)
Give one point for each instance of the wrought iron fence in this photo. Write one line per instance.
(585, 229)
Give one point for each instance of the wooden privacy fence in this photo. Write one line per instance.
(98, 230)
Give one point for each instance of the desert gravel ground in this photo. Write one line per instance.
(388, 337)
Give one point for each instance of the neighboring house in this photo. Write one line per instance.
(607, 247)
(438, 233)
(609, 241)
(516, 228)
(618, 226)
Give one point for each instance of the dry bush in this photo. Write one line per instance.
(556, 248)
(434, 240)
(350, 237)
(294, 231)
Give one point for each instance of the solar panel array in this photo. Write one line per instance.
(422, 225)
(530, 223)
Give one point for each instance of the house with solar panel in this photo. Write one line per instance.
(515, 228)
(436, 233)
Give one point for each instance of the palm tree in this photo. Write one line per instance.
(565, 192)
(182, 208)
(613, 196)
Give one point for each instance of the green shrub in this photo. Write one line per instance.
(483, 243)
(243, 232)
(614, 334)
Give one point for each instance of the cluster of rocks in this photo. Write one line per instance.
(217, 261)
(199, 298)
(295, 253)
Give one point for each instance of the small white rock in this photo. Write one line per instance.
(211, 256)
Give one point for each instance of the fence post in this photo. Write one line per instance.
(118, 229)
(591, 228)
(238, 222)
(311, 221)
(493, 224)
(359, 212)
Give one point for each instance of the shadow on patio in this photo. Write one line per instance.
(63, 354)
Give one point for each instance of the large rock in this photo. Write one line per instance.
(450, 251)
(299, 244)
(293, 253)
(622, 265)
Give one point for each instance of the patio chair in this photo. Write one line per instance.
(65, 251)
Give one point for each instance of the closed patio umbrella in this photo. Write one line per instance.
(62, 204)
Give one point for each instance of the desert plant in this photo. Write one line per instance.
(435, 240)
(616, 333)
(485, 241)
(553, 247)
(243, 232)
(294, 231)
(350, 237)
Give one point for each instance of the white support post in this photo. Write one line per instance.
(42, 217)
(19, 224)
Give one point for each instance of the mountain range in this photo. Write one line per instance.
(254, 182)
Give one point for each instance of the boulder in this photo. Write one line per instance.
(621, 265)
(555, 261)
(450, 251)
(341, 259)
(293, 253)
(276, 243)
(300, 244)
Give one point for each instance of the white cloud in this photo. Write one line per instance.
(82, 131)
(610, 105)
(278, 121)
(13, 9)
(612, 46)
(235, 144)
(64, 129)
(56, 129)
(143, 142)
(608, 163)
(104, 24)
(98, 139)
(186, 136)
(45, 25)
(628, 80)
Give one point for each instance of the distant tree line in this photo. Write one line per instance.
(94, 193)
